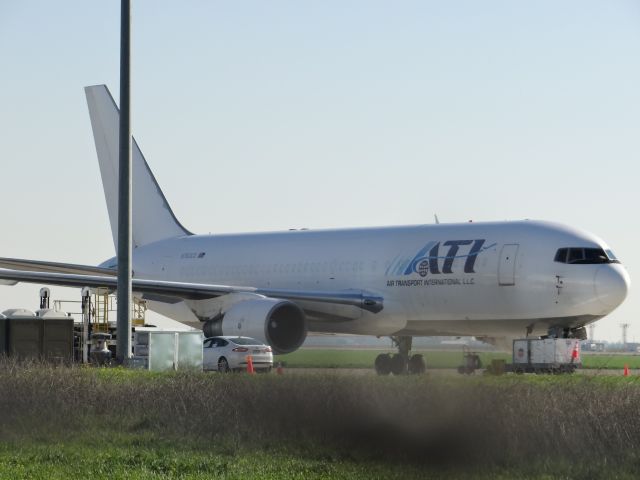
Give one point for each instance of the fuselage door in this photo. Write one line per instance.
(507, 265)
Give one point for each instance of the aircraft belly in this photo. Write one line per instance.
(499, 328)
(368, 324)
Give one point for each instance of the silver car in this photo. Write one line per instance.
(225, 354)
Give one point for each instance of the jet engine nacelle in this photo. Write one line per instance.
(278, 323)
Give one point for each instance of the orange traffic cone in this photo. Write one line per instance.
(575, 353)
(625, 373)
(250, 368)
(279, 369)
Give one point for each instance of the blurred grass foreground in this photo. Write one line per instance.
(70, 422)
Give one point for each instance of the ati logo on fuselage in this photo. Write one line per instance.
(437, 258)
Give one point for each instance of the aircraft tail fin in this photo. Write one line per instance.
(152, 217)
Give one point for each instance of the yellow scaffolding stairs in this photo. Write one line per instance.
(97, 319)
(103, 304)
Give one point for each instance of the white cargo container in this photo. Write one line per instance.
(168, 350)
(546, 355)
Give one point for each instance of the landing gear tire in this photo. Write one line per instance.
(417, 364)
(402, 362)
(223, 365)
(383, 364)
(398, 364)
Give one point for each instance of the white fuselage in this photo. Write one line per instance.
(484, 279)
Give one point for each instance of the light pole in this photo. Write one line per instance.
(123, 345)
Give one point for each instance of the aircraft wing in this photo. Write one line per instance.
(180, 290)
(41, 266)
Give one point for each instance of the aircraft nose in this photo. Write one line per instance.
(611, 284)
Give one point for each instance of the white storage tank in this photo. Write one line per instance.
(18, 313)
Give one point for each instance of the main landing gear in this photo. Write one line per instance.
(401, 362)
(562, 332)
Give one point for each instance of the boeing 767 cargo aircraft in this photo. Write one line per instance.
(491, 280)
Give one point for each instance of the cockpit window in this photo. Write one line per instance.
(612, 257)
(595, 255)
(561, 255)
(584, 256)
(575, 255)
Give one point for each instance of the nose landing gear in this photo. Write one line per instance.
(401, 362)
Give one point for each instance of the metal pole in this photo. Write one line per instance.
(123, 345)
(86, 319)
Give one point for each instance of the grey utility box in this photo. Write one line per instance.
(168, 350)
(57, 335)
(46, 334)
(23, 333)
(3, 334)
(547, 351)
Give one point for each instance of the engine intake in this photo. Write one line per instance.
(279, 323)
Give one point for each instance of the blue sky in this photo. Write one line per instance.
(269, 115)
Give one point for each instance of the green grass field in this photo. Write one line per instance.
(149, 459)
(356, 358)
(153, 458)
